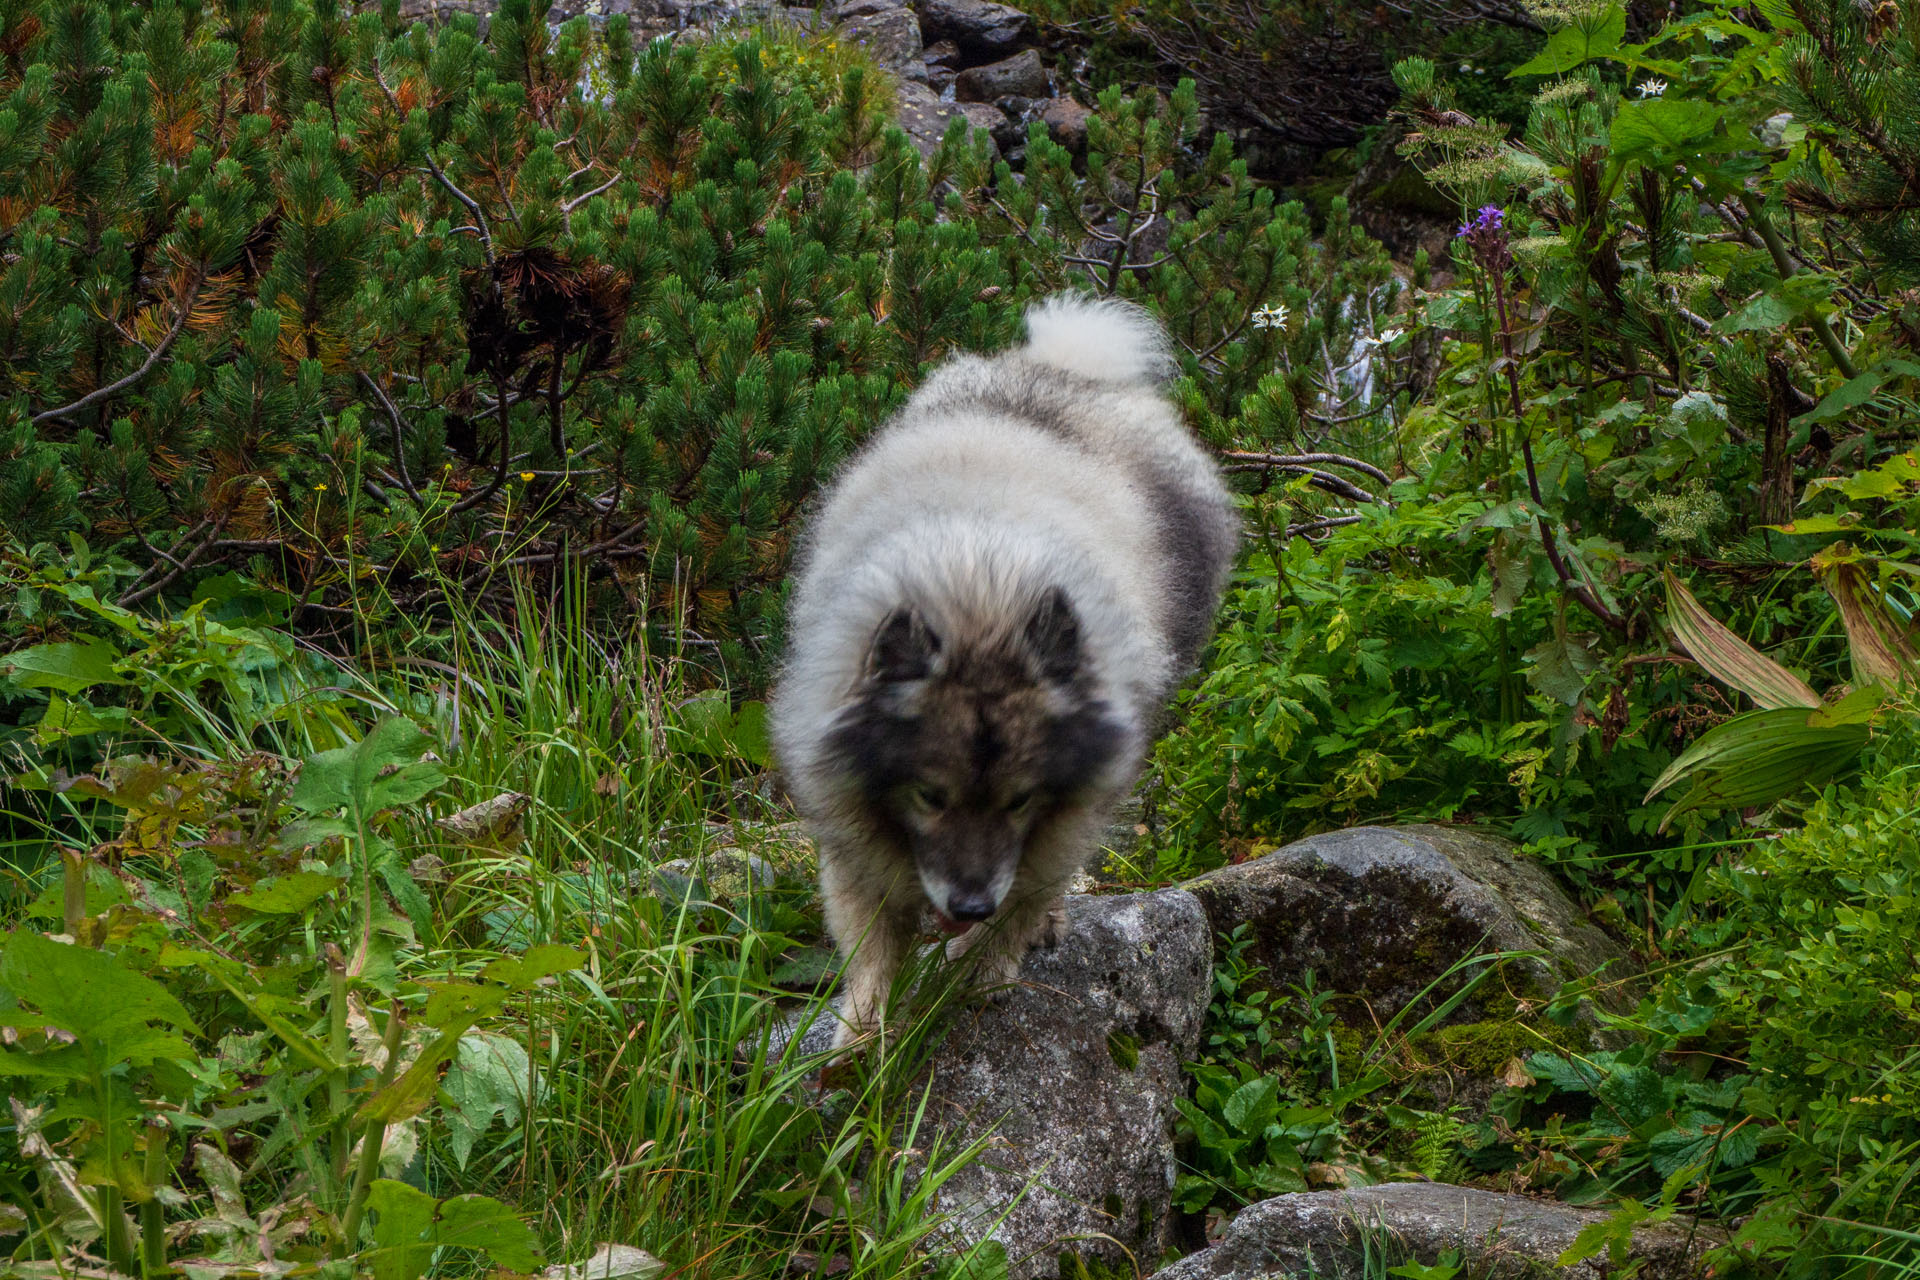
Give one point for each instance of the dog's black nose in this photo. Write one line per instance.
(969, 907)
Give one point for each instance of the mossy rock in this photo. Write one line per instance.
(1383, 914)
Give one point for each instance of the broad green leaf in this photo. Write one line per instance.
(750, 740)
(67, 665)
(487, 1078)
(1558, 667)
(1759, 758)
(481, 1222)
(1253, 1105)
(461, 1002)
(402, 1218)
(288, 894)
(1575, 44)
(1728, 658)
(1662, 130)
(84, 991)
(521, 972)
(1766, 312)
(65, 718)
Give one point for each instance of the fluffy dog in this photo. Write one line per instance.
(994, 601)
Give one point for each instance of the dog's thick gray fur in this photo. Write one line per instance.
(994, 602)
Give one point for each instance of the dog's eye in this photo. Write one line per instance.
(1020, 803)
(932, 799)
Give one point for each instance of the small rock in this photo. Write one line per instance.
(609, 1262)
(1502, 1237)
(982, 115)
(727, 873)
(1023, 75)
(496, 821)
(943, 53)
(890, 36)
(1066, 120)
(981, 28)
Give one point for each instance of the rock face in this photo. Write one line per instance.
(1381, 912)
(1498, 1236)
(1079, 1068)
(1074, 1073)
(981, 28)
(1022, 75)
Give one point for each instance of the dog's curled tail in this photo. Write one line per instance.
(1099, 338)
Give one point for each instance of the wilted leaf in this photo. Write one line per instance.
(1883, 647)
(498, 820)
(1730, 659)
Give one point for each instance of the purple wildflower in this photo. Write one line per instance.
(1486, 236)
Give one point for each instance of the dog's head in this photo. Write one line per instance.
(963, 747)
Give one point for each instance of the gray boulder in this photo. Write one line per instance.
(981, 28)
(1071, 1076)
(923, 114)
(1076, 1073)
(1321, 1233)
(1066, 120)
(888, 32)
(1382, 912)
(1022, 75)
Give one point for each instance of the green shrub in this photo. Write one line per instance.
(433, 307)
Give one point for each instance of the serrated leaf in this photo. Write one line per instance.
(481, 1222)
(288, 894)
(1253, 1105)
(1661, 130)
(1574, 44)
(84, 991)
(1728, 658)
(521, 972)
(402, 1216)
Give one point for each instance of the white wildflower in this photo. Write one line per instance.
(1652, 88)
(1272, 316)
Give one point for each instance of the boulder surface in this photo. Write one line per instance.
(1383, 912)
(1071, 1075)
(1322, 1233)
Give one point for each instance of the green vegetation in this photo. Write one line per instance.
(402, 435)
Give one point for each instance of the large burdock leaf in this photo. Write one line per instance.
(1765, 756)
(1728, 658)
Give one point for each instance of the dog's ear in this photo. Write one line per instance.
(904, 648)
(1053, 637)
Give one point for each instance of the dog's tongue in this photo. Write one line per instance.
(948, 924)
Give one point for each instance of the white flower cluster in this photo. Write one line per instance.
(1271, 316)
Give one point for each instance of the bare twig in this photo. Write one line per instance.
(147, 366)
(399, 442)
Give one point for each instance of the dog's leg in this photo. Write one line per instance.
(874, 934)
